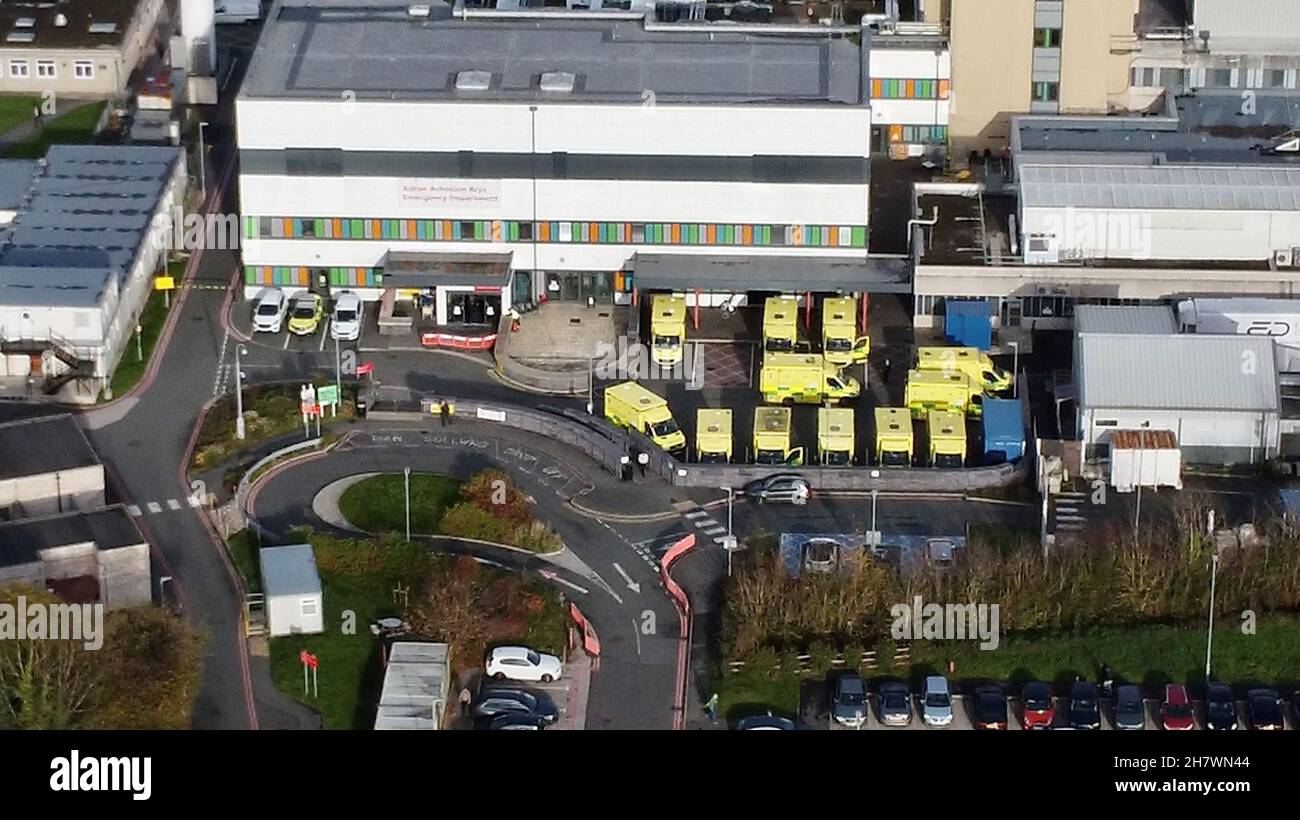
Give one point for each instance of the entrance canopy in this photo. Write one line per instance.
(406, 269)
(686, 272)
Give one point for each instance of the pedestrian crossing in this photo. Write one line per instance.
(159, 507)
(1069, 511)
(705, 524)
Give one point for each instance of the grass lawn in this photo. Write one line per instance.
(270, 411)
(152, 318)
(77, 127)
(1150, 655)
(378, 503)
(243, 554)
(15, 111)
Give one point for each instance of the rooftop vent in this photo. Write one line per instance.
(473, 80)
(103, 28)
(25, 22)
(557, 82)
(418, 10)
(60, 20)
(20, 37)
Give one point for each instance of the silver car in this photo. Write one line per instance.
(269, 310)
(849, 703)
(936, 701)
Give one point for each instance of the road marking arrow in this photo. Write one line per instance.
(632, 585)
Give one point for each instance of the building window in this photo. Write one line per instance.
(45, 68)
(1275, 78)
(526, 231)
(1046, 92)
(308, 607)
(18, 68)
(1047, 38)
(83, 70)
(1219, 78)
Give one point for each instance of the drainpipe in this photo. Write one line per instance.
(915, 221)
(807, 310)
(697, 308)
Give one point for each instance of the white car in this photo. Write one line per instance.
(269, 311)
(522, 663)
(345, 322)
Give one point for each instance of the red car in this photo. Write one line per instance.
(1176, 711)
(1039, 713)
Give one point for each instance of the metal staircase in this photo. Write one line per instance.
(78, 366)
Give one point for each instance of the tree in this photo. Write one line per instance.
(44, 684)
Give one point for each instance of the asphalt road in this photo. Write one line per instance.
(618, 591)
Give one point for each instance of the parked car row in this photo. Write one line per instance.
(1041, 709)
(500, 706)
(303, 312)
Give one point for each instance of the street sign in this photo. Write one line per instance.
(728, 543)
(872, 538)
(164, 283)
(365, 367)
(327, 394)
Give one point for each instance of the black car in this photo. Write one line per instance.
(1220, 707)
(517, 721)
(1265, 709)
(989, 709)
(1084, 712)
(1130, 712)
(495, 702)
(849, 703)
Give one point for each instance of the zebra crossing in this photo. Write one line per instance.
(157, 508)
(705, 523)
(1068, 507)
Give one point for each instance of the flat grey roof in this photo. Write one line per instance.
(376, 50)
(110, 528)
(1136, 319)
(1210, 126)
(690, 271)
(415, 684)
(43, 445)
(289, 570)
(413, 269)
(1163, 187)
(1177, 372)
(84, 220)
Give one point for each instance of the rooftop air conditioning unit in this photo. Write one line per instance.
(419, 11)
(1284, 258)
(557, 82)
(60, 20)
(473, 80)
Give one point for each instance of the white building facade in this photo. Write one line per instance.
(569, 146)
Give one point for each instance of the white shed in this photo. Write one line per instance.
(291, 587)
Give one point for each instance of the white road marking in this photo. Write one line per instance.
(696, 514)
(551, 576)
(287, 335)
(134, 510)
(636, 630)
(323, 335)
(173, 504)
(717, 528)
(154, 507)
(194, 501)
(632, 585)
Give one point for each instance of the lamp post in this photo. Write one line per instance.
(406, 474)
(1015, 370)
(240, 351)
(1214, 574)
(203, 161)
(338, 378)
(731, 539)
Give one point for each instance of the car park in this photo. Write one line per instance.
(494, 702)
(989, 708)
(1176, 711)
(1084, 712)
(783, 487)
(1037, 707)
(269, 310)
(895, 703)
(305, 313)
(936, 701)
(522, 663)
(821, 555)
(1129, 711)
(1220, 707)
(1265, 707)
(345, 321)
(849, 702)
(768, 721)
